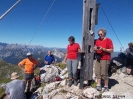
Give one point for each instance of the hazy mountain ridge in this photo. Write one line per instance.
(13, 53)
(114, 54)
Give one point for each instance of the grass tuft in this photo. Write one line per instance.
(63, 91)
(2, 92)
(94, 85)
(62, 66)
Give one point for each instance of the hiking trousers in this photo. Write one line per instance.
(72, 65)
(101, 69)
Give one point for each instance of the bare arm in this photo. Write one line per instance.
(36, 64)
(21, 67)
(107, 50)
(7, 96)
(79, 50)
(95, 48)
(65, 58)
(103, 49)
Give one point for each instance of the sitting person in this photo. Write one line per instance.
(49, 59)
(15, 88)
(129, 53)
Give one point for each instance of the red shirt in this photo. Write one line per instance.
(72, 51)
(107, 44)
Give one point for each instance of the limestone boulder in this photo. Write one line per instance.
(50, 87)
(50, 73)
(91, 93)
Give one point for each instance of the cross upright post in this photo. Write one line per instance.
(89, 17)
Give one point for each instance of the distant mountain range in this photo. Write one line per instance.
(14, 53)
(115, 54)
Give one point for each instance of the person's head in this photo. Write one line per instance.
(71, 39)
(49, 52)
(102, 33)
(130, 45)
(14, 75)
(29, 55)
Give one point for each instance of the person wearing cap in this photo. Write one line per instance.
(15, 88)
(27, 66)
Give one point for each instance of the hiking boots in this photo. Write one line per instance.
(98, 88)
(105, 89)
(70, 82)
(75, 82)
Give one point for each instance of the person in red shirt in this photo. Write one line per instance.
(28, 66)
(72, 61)
(103, 48)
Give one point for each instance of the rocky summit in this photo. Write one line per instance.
(120, 87)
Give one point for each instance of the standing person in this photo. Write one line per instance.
(15, 88)
(71, 60)
(27, 66)
(129, 53)
(49, 59)
(103, 49)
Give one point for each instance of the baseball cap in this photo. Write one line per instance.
(28, 54)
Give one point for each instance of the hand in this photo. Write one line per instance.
(64, 62)
(79, 50)
(95, 48)
(104, 49)
(35, 66)
(45, 62)
(99, 48)
(24, 70)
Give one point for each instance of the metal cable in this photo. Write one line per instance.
(41, 22)
(9, 9)
(112, 27)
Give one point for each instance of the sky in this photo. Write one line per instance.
(63, 20)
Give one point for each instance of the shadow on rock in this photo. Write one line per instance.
(112, 82)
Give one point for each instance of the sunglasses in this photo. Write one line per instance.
(100, 34)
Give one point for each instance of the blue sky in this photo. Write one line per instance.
(63, 20)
